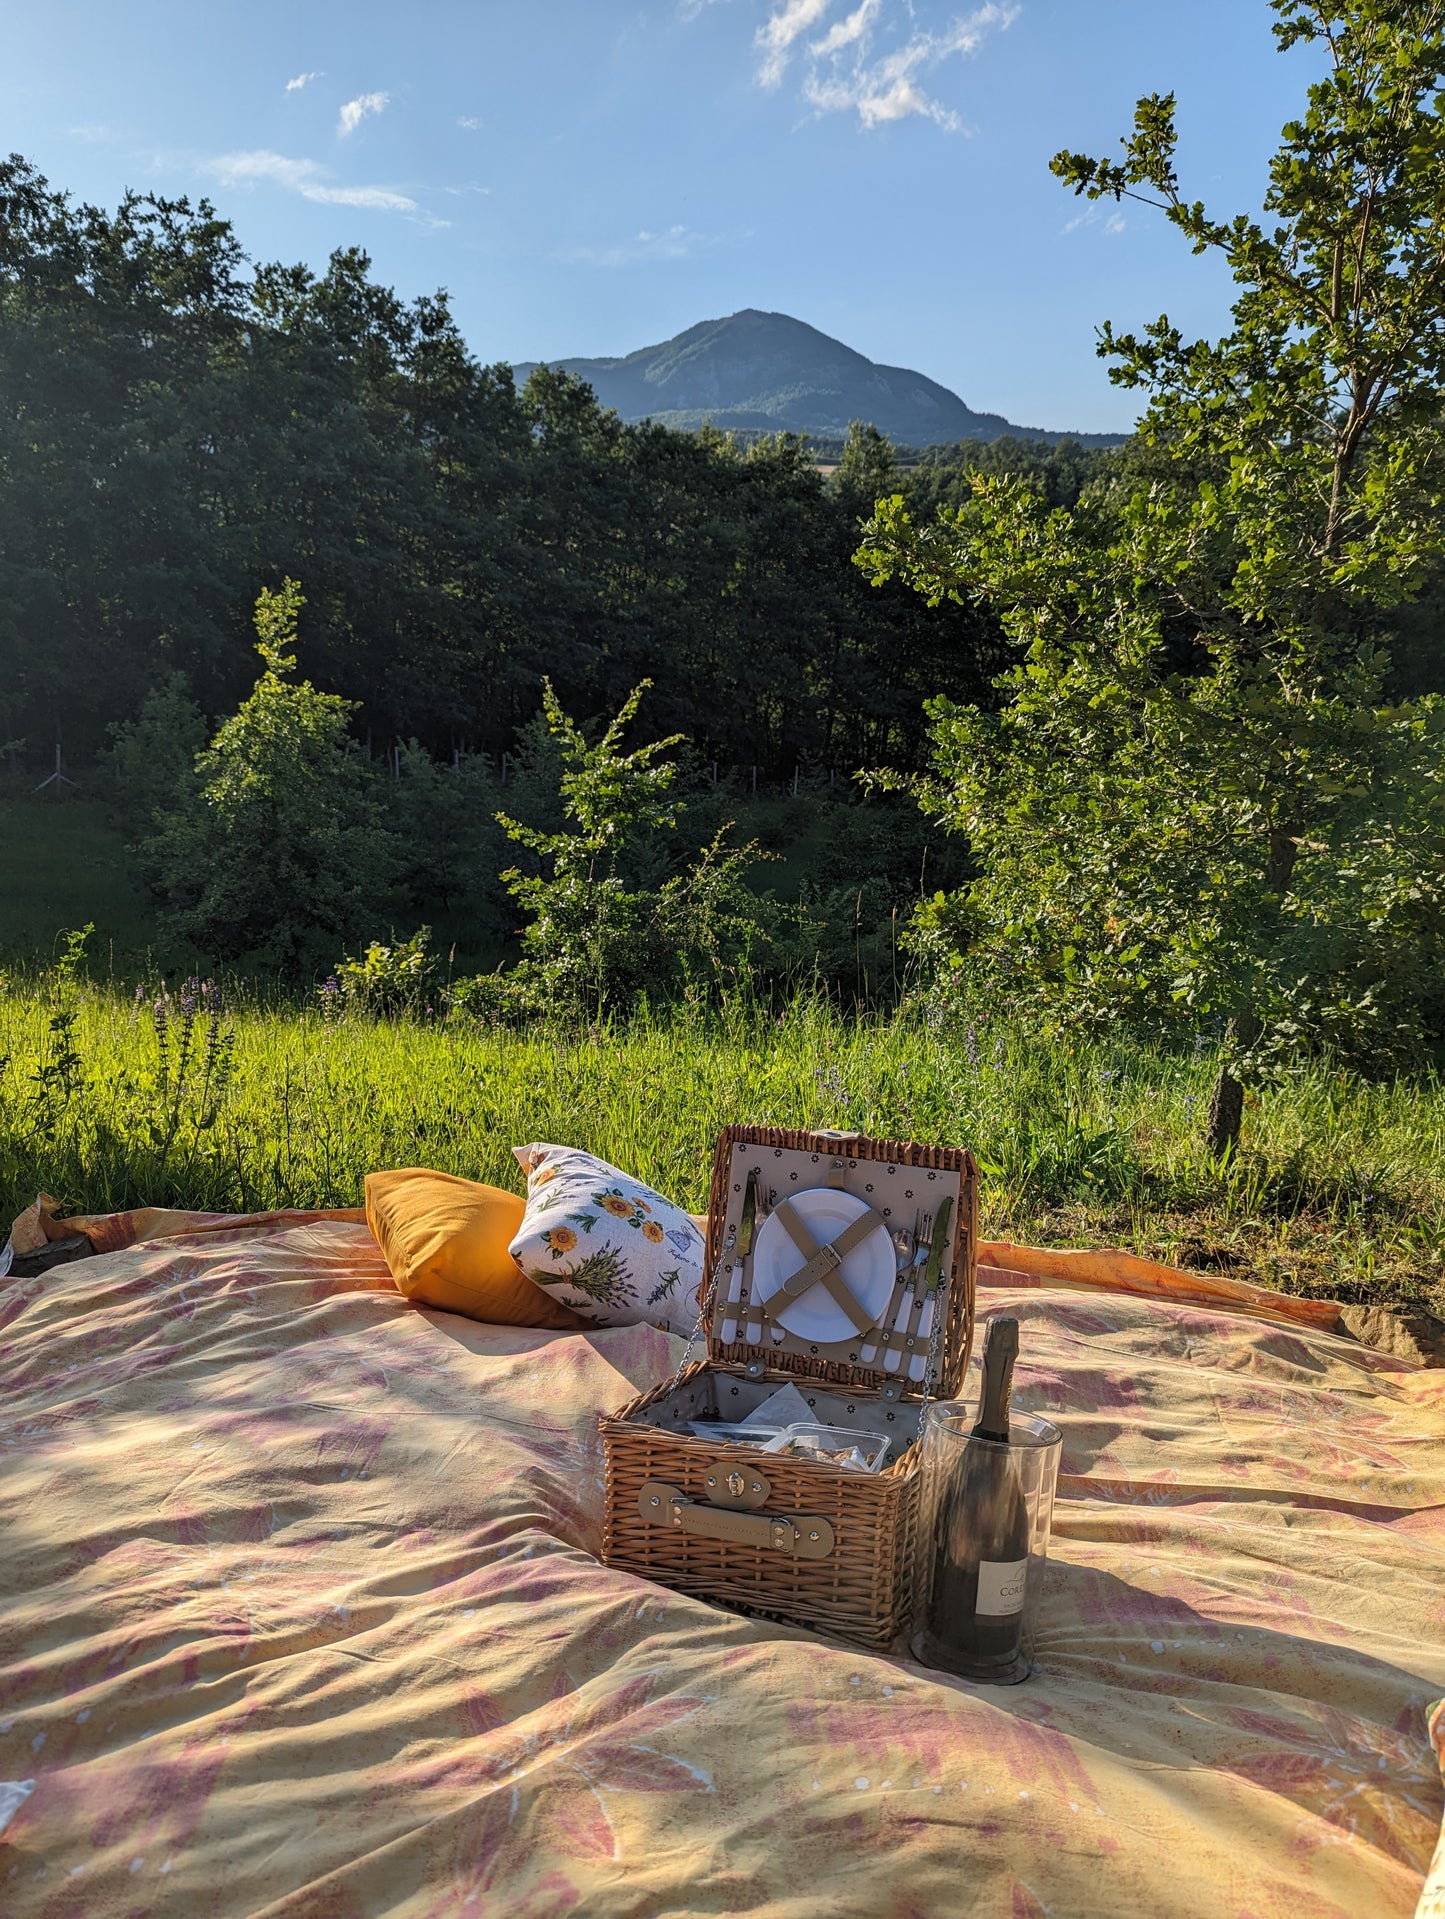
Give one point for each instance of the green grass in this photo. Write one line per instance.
(1339, 1190)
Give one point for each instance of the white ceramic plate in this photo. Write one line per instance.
(867, 1271)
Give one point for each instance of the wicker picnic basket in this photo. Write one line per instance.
(799, 1538)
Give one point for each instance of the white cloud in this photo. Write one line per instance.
(847, 31)
(778, 35)
(871, 59)
(355, 111)
(673, 243)
(469, 121)
(887, 87)
(306, 178)
(301, 80)
(1091, 217)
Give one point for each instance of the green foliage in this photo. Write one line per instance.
(190, 1084)
(386, 981)
(60, 1072)
(280, 850)
(867, 467)
(449, 847)
(1325, 400)
(1197, 804)
(156, 1095)
(68, 858)
(1059, 470)
(597, 939)
(50, 1084)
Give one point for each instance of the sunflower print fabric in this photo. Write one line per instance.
(605, 1244)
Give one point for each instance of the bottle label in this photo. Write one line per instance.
(1001, 1585)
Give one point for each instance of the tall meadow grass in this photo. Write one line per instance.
(1339, 1188)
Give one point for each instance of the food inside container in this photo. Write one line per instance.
(728, 1434)
(839, 1445)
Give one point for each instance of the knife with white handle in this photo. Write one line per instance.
(744, 1247)
(754, 1332)
(923, 1238)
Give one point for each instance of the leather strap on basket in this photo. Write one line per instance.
(821, 1263)
(794, 1535)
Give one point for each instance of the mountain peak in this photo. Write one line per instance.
(771, 372)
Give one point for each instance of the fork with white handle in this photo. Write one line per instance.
(923, 1333)
(903, 1238)
(892, 1359)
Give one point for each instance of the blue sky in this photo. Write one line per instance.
(590, 176)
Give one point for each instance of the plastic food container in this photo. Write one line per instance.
(727, 1434)
(839, 1445)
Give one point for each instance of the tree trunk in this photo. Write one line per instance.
(1226, 1102)
(1226, 1112)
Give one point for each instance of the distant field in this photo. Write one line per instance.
(1340, 1190)
(62, 863)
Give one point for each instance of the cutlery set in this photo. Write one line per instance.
(918, 1257)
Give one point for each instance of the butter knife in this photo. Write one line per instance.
(744, 1247)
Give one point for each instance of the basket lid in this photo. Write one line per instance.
(841, 1258)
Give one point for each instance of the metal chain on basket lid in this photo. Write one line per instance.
(706, 1296)
(930, 1371)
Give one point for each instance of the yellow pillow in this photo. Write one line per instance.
(445, 1240)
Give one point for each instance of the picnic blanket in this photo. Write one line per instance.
(300, 1615)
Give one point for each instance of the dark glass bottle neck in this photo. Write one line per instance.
(1000, 1350)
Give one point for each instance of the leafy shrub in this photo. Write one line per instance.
(599, 938)
(385, 981)
(154, 755)
(280, 849)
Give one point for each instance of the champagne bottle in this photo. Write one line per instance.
(981, 1534)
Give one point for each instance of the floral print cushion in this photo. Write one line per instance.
(605, 1244)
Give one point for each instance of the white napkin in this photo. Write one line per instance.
(785, 1408)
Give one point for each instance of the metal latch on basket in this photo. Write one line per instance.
(798, 1536)
(743, 1488)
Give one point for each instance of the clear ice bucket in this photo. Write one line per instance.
(983, 1536)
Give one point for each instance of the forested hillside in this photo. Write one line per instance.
(180, 427)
